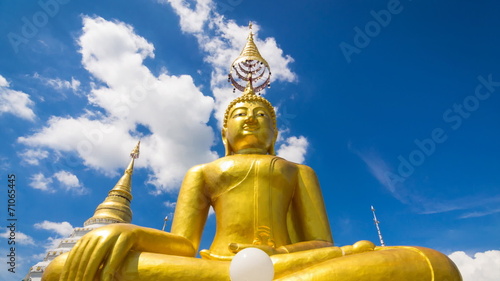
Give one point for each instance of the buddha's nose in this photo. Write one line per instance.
(250, 117)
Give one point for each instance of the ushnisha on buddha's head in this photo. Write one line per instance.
(249, 125)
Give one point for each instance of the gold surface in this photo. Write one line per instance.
(261, 201)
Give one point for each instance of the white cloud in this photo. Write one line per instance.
(67, 178)
(67, 181)
(21, 238)
(476, 214)
(39, 181)
(171, 107)
(3, 82)
(379, 169)
(170, 204)
(5, 163)
(192, 20)
(70, 182)
(33, 156)
(39, 257)
(482, 267)
(15, 102)
(59, 84)
(52, 243)
(294, 149)
(62, 228)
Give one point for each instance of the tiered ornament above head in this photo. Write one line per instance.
(251, 70)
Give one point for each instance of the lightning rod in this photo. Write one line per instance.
(378, 228)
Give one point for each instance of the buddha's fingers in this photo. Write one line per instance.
(85, 257)
(72, 263)
(117, 255)
(99, 252)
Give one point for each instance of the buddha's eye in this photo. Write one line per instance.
(260, 114)
(239, 114)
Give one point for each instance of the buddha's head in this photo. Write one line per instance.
(249, 126)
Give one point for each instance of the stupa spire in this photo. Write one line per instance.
(116, 207)
(251, 71)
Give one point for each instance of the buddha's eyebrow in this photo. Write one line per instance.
(241, 107)
(238, 108)
(244, 108)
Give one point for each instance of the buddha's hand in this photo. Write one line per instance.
(236, 247)
(358, 247)
(106, 246)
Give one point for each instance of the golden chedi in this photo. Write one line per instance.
(260, 200)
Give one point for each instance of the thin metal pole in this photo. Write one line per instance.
(378, 228)
(164, 223)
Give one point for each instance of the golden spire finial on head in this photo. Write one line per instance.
(116, 207)
(251, 71)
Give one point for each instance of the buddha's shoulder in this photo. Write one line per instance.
(240, 159)
(246, 160)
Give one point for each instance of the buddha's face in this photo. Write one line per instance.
(249, 128)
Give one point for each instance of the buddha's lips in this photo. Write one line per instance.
(250, 127)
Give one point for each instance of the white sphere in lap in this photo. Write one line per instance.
(251, 264)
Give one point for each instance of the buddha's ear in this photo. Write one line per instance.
(226, 143)
(271, 149)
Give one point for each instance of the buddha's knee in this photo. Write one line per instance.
(425, 260)
(54, 269)
(384, 263)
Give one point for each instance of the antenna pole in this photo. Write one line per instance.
(378, 228)
(164, 223)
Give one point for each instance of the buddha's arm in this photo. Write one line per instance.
(307, 219)
(192, 207)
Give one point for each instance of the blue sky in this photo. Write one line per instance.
(393, 103)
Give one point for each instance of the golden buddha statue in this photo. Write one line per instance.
(260, 201)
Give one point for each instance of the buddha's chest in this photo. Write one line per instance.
(251, 175)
